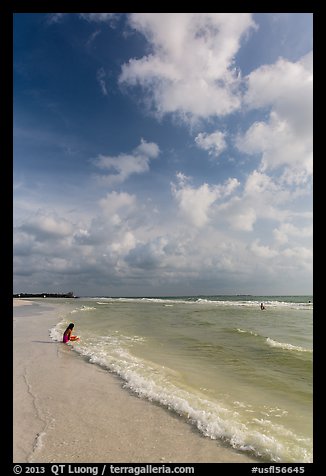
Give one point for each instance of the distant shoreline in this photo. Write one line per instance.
(45, 295)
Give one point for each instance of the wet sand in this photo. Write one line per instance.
(67, 410)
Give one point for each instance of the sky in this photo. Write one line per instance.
(163, 153)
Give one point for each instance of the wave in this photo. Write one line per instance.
(244, 331)
(83, 308)
(213, 419)
(286, 346)
(274, 343)
(256, 304)
(251, 303)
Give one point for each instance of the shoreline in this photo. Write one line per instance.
(68, 410)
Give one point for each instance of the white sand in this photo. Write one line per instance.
(22, 302)
(67, 410)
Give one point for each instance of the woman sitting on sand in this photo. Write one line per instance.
(67, 334)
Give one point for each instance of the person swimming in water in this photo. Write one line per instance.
(262, 307)
(67, 334)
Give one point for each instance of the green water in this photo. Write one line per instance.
(237, 373)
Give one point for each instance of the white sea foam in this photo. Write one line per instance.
(250, 303)
(56, 333)
(276, 344)
(286, 346)
(245, 331)
(214, 419)
(83, 309)
(212, 383)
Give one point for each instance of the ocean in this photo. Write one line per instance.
(239, 374)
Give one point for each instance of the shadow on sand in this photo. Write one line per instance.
(46, 342)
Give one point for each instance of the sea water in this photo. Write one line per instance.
(240, 374)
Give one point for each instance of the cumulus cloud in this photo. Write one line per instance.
(23, 243)
(240, 214)
(196, 203)
(196, 55)
(45, 226)
(278, 143)
(299, 254)
(117, 246)
(287, 86)
(263, 251)
(266, 190)
(224, 232)
(125, 244)
(148, 255)
(285, 138)
(287, 231)
(125, 165)
(260, 198)
(117, 207)
(214, 143)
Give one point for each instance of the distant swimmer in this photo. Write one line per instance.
(67, 334)
(262, 307)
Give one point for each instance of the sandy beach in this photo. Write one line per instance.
(68, 410)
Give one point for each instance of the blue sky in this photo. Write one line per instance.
(163, 154)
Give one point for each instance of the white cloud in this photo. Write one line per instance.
(285, 85)
(262, 198)
(121, 242)
(101, 76)
(149, 149)
(279, 145)
(300, 254)
(55, 17)
(263, 251)
(125, 244)
(125, 165)
(258, 183)
(287, 231)
(215, 235)
(266, 191)
(197, 55)
(99, 17)
(23, 242)
(196, 203)
(109, 18)
(229, 187)
(148, 255)
(92, 38)
(240, 214)
(285, 139)
(45, 226)
(214, 143)
(115, 202)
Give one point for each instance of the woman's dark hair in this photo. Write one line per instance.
(71, 326)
